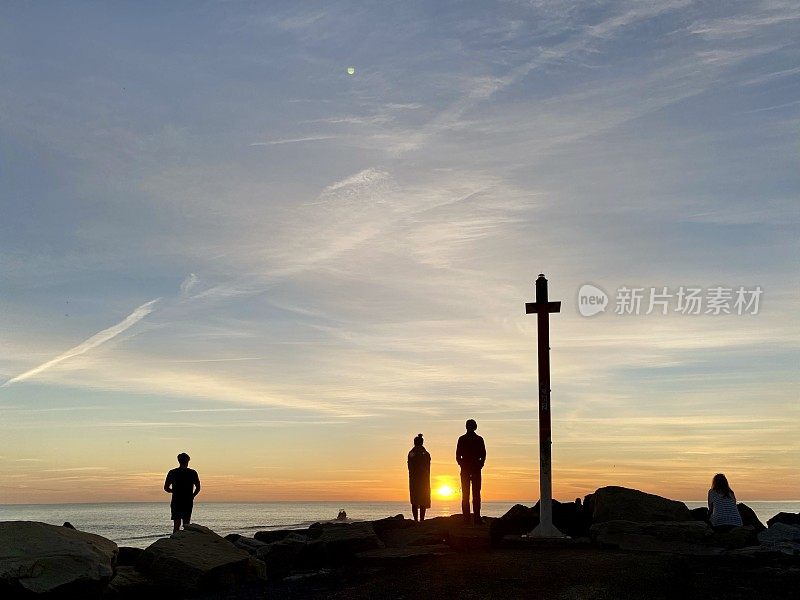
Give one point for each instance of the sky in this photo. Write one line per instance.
(214, 239)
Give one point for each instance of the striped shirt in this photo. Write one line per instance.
(723, 509)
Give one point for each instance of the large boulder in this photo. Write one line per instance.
(700, 514)
(615, 503)
(464, 537)
(342, 541)
(785, 518)
(321, 544)
(451, 530)
(431, 532)
(128, 556)
(781, 537)
(780, 532)
(382, 527)
(749, 517)
(276, 535)
(37, 558)
(249, 545)
(283, 556)
(737, 537)
(518, 520)
(569, 517)
(195, 559)
(678, 537)
(129, 584)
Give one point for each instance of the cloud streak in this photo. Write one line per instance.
(96, 340)
(279, 142)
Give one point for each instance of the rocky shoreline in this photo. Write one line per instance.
(621, 542)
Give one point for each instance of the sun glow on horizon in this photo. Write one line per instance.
(445, 492)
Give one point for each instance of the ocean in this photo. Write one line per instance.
(138, 524)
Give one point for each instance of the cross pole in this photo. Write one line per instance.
(542, 307)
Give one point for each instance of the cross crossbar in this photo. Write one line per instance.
(537, 307)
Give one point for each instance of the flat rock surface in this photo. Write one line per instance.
(342, 540)
(41, 558)
(680, 537)
(567, 573)
(614, 503)
(467, 537)
(427, 533)
(194, 558)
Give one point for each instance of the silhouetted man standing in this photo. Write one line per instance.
(184, 484)
(471, 455)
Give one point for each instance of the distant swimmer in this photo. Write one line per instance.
(184, 484)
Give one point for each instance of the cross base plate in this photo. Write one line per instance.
(546, 530)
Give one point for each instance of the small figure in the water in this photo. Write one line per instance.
(419, 479)
(342, 516)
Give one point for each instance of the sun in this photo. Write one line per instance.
(445, 492)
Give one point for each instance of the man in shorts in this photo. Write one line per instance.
(184, 484)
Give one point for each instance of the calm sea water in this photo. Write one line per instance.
(139, 524)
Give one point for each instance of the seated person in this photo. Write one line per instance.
(722, 509)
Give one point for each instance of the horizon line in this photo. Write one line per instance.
(518, 501)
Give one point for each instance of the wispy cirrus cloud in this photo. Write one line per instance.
(189, 283)
(94, 341)
(278, 142)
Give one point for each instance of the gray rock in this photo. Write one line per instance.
(381, 527)
(128, 556)
(194, 559)
(249, 545)
(624, 504)
(431, 532)
(37, 558)
(342, 541)
(780, 532)
(738, 537)
(256, 569)
(749, 517)
(766, 551)
(301, 583)
(518, 520)
(786, 518)
(281, 557)
(568, 518)
(129, 584)
(467, 538)
(277, 535)
(676, 537)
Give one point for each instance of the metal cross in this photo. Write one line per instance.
(542, 307)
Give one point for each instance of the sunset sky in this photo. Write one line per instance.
(213, 239)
